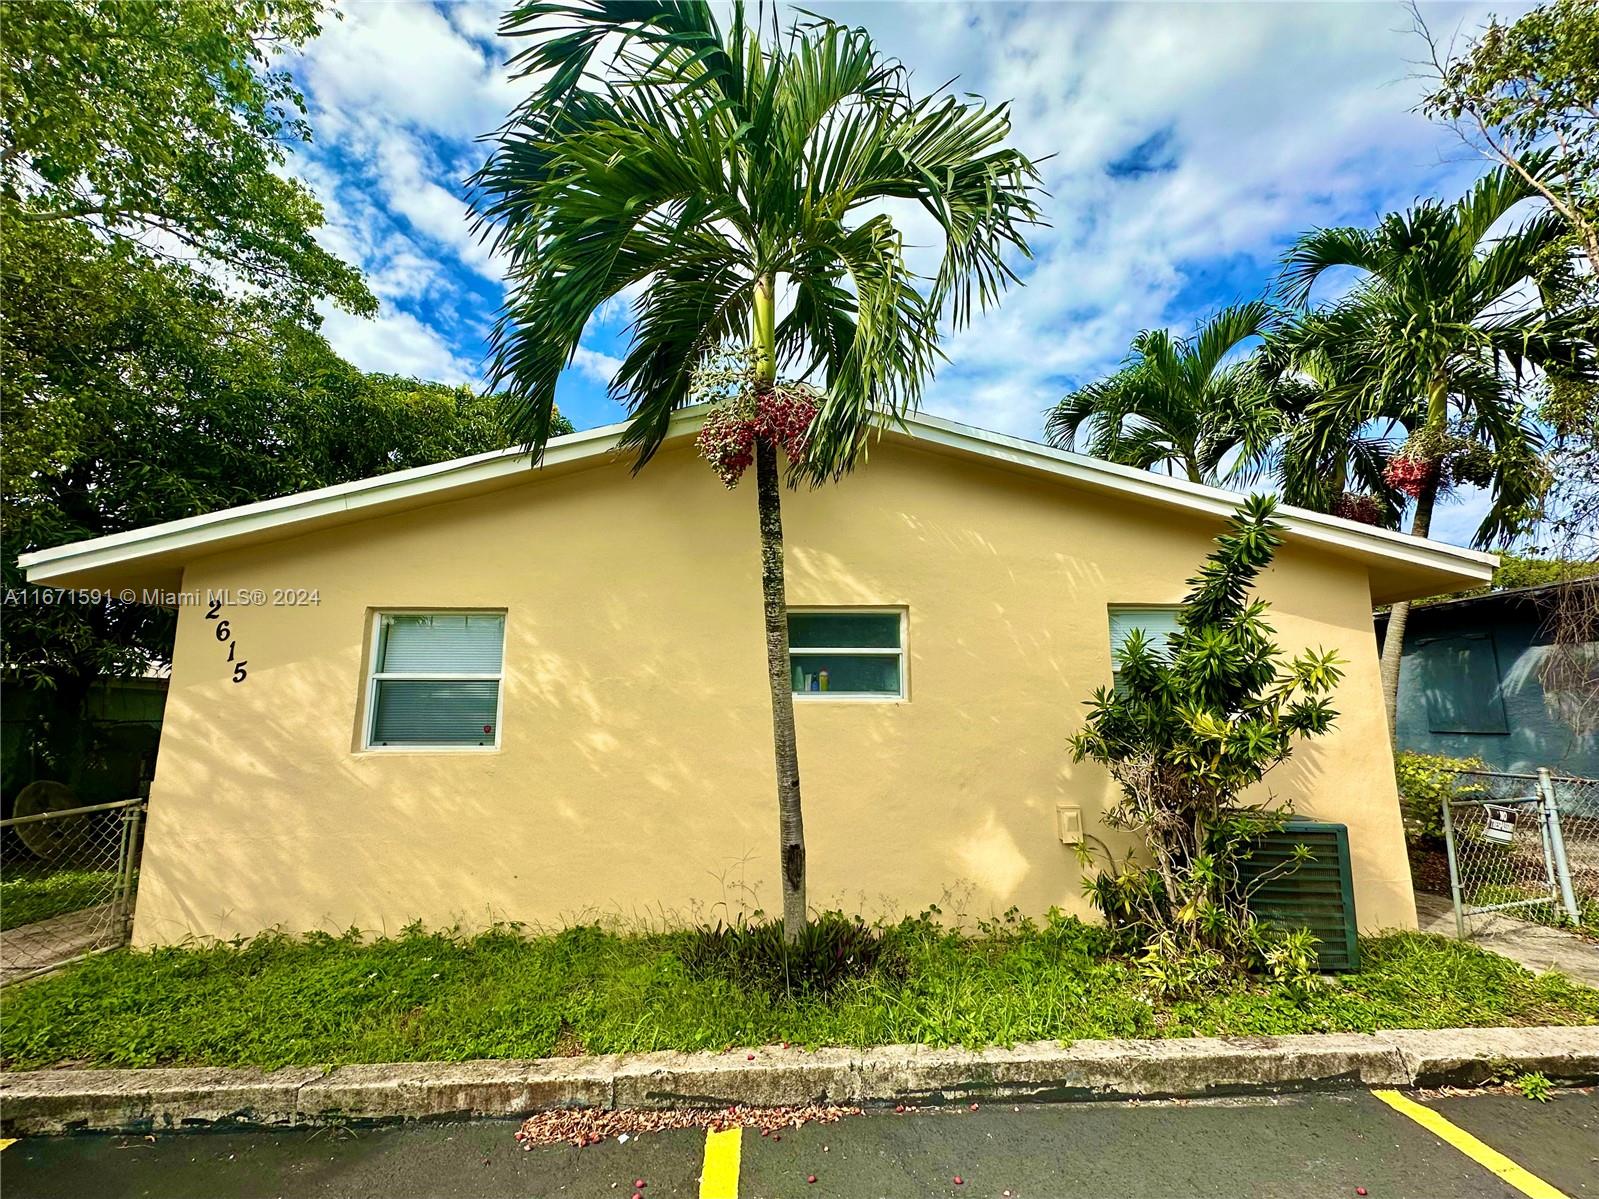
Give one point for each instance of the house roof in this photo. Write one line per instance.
(1534, 596)
(1400, 566)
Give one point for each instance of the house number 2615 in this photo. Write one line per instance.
(223, 632)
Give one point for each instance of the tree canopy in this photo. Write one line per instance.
(137, 391)
(1189, 404)
(165, 124)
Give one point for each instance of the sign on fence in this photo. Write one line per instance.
(1499, 827)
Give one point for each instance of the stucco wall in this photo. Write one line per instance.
(634, 777)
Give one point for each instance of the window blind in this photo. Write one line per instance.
(442, 643)
(1156, 623)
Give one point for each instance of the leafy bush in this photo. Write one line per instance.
(1187, 729)
(1425, 782)
(753, 955)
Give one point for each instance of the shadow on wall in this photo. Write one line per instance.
(634, 778)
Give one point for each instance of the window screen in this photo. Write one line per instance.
(1459, 679)
(847, 653)
(436, 679)
(1156, 623)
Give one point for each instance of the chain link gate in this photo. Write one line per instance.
(70, 881)
(1506, 849)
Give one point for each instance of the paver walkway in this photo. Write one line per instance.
(47, 943)
(1535, 946)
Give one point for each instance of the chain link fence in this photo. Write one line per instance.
(1577, 800)
(1526, 845)
(69, 883)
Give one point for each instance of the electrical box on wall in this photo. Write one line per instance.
(1069, 823)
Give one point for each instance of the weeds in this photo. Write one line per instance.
(279, 1001)
(1533, 1085)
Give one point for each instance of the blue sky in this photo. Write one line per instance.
(1186, 146)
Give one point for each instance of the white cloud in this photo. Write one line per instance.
(1266, 121)
(600, 367)
(408, 63)
(396, 343)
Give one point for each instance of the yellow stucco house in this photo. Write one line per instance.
(477, 691)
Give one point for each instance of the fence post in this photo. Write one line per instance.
(1454, 871)
(1557, 842)
(130, 854)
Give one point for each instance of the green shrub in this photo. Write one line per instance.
(1188, 729)
(1425, 782)
(753, 955)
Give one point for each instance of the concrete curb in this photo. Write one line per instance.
(55, 1101)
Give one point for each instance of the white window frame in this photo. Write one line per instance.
(373, 678)
(856, 697)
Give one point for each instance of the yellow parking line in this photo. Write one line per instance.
(719, 1178)
(6, 1143)
(1486, 1156)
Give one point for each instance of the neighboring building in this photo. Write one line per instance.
(475, 691)
(1470, 684)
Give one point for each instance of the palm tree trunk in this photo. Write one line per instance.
(774, 601)
(1393, 641)
(791, 823)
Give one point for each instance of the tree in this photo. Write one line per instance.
(1187, 404)
(1188, 728)
(161, 124)
(1431, 327)
(1525, 95)
(741, 182)
(1337, 462)
(138, 391)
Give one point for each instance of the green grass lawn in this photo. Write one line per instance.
(27, 897)
(278, 1001)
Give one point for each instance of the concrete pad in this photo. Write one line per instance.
(1534, 946)
(418, 1090)
(1472, 1056)
(51, 1101)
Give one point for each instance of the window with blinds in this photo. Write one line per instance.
(1157, 624)
(435, 680)
(847, 653)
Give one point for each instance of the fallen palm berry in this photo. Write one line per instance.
(810, 1178)
(1360, 1190)
(958, 1180)
(639, 1184)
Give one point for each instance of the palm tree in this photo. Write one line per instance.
(1187, 404)
(1440, 310)
(724, 174)
(1329, 460)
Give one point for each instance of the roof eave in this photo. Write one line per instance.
(1400, 566)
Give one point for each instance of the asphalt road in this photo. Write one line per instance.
(1311, 1145)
